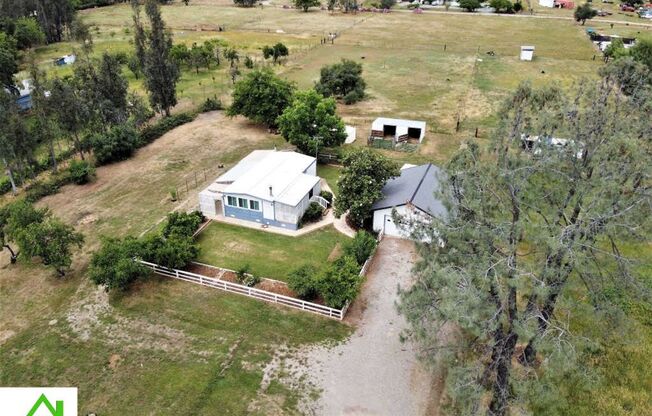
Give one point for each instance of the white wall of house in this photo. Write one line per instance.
(268, 210)
(312, 169)
(208, 204)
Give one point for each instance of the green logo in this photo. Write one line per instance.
(58, 411)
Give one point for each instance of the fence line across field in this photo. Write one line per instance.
(247, 291)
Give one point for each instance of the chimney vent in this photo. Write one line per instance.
(270, 191)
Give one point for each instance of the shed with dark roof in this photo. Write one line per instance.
(412, 194)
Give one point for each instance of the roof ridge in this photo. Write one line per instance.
(425, 173)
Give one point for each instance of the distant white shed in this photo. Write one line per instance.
(350, 134)
(527, 53)
(547, 3)
(400, 130)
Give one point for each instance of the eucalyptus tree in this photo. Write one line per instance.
(544, 209)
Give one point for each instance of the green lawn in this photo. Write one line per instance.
(268, 254)
(331, 174)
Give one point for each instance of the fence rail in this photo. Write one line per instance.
(246, 291)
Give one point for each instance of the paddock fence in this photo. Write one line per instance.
(246, 291)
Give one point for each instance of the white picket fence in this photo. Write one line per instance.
(247, 291)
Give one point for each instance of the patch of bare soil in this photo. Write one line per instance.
(276, 287)
(336, 253)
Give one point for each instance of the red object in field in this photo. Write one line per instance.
(565, 4)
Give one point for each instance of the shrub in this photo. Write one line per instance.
(5, 185)
(353, 97)
(152, 132)
(245, 277)
(81, 172)
(304, 281)
(327, 196)
(40, 189)
(113, 265)
(313, 213)
(211, 104)
(118, 144)
(361, 247)
(182, 224)
(340, 282)
(175, 252)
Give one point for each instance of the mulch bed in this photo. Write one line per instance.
(269, 285)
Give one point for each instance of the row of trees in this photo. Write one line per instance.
(532, 241)
(55, 17)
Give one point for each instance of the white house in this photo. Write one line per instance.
(269, 187)
(547, 3)
(412, 195)
(398, 129)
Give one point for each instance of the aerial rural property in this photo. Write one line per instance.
(325, 207)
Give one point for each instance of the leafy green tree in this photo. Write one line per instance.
(616, 49)
(245, 3)
(642, 52)
(275, 52)
(52, 241)
(174, 252)
(261, 96)
(363, 177)
(119, 143)
(304, 281)
(81, 171)
(387, 4)
(44, 125)
(310, 122)
(504, 6)
(306, 4)
(182, 224)
(527, 236)
(340, 282)
(584, 12)
(161, 72)
(28, 33)
(54, 16)
(199, 56)
(113, 266)
(180, 54)
(470, 5)
(342, 80)
(72, 112)
(8, 61)
(16, 144)
(14, 218)
(361, 247)
(232, 56)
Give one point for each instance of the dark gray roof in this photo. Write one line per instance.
(416, 185)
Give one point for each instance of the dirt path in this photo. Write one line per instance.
(373, 373)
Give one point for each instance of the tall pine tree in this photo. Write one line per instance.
(161, 72)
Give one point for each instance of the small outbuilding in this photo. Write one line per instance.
(350, 134)
(527, 53)
(547, 3)
(412, 195)
(398, 130)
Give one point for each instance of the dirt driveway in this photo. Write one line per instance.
(373, 372)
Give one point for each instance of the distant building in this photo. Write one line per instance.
(527, 53)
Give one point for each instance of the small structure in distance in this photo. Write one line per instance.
(398, 130)
(65, 60)
(527, 53)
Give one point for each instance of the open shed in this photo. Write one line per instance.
(399, 130)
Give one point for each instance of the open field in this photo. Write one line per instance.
(269, 255)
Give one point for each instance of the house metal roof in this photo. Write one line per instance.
(262, 169)
(416, 185)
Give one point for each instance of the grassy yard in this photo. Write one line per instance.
(268, 254)
(331, 174)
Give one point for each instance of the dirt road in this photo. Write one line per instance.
(373, 373)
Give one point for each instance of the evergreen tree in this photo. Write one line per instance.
(160, 71)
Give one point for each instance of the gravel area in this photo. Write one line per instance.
(373, 372)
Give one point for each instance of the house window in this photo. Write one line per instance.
(255, 205)
(231, 200)
(242, 203)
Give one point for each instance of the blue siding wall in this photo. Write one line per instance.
(255, 216)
